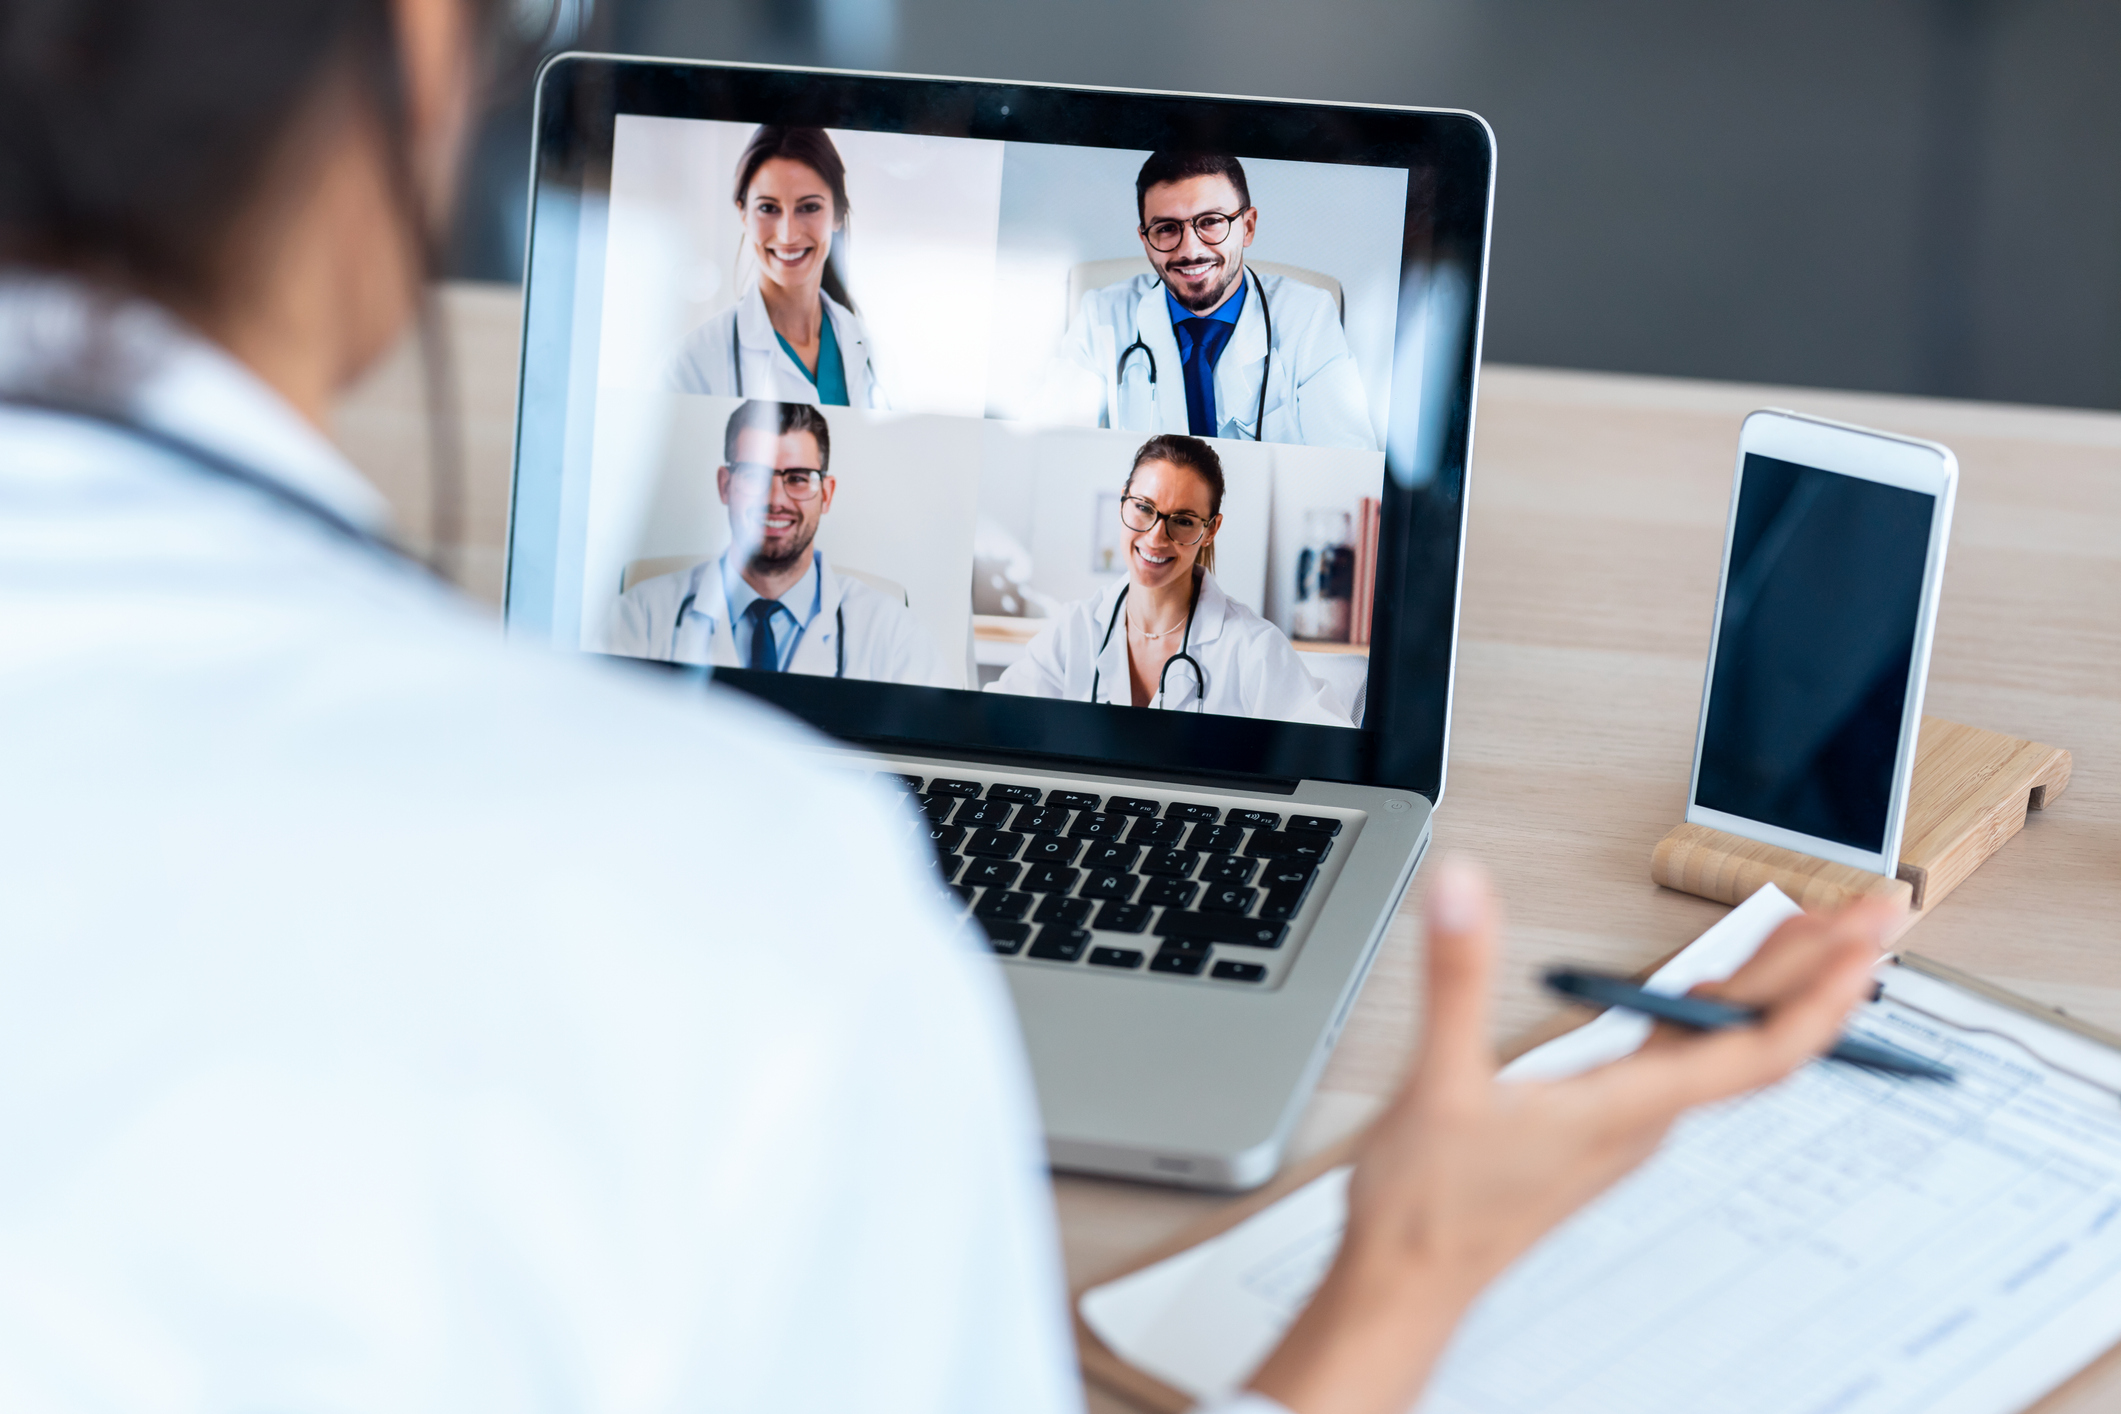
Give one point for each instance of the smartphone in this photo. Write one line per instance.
(1833, 559)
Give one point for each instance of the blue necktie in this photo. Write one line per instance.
(765, 654)
(1208, 338)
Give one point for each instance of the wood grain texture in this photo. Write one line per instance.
(1595, 528)
(1970, 792)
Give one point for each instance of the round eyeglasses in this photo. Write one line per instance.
(1213, 227)
(1140, 516)
(802, 483)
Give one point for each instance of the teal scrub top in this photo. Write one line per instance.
(830, 375)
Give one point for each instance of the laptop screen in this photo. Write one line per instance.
(992, 417)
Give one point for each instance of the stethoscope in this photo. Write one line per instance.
(736, 358)
(1259, 416)
(1200, 679)
(839, 636)
(228, 469)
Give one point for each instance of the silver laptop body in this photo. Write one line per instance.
(1170, 1042)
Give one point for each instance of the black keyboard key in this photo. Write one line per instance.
(1163, 832)
(991, 873)
(1052, 849)
(964, 893)
(967, 790)
(1059, 943)
(1002, 904)
(1283, 902)
(1239, 972)
(1097, 825)
(1253, 819)
(1132, 805)
(1050, 879)
(1006, 937)
(1115, 957)
(1287, 874)
(1110, 884)
(1222, 928)
(992, 814)
(1199, 814)
(1015, 795)
(949, 864)
(994, 844)
(1071, 800)
(945, 838)
(1229, 869)
(1315, 824)
(1217, 839)
(893, 778)
(1073, 912)
(1229, 898)
(1277, 844)
(1185, 964)
(1176, 863)
(1041, 819)
(1122, 918)
(1111, 856)
(1171, 893)
(937, 807)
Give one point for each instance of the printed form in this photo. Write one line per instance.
(1843, 1243)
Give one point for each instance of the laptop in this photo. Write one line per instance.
(1091, 465)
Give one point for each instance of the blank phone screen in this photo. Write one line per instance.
(1813, 651)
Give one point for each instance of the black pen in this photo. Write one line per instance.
(1701, 1014)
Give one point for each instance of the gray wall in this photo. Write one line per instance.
(1905, 195)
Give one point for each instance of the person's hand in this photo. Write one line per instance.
(1462, 1172)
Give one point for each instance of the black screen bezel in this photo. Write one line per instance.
(1450, 160)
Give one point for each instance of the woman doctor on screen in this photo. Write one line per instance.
(1167, 635)
(793, 335)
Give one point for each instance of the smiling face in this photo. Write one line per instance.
(772, 528)
(789, 216)
(1200, 276)
(1154, 559)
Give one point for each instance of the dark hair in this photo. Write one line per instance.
(780, 419)
(1183, 166)
(813, 148)
(1195, 456)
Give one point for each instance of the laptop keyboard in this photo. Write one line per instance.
(1127, 883)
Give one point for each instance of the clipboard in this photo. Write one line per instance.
(1112, 1372)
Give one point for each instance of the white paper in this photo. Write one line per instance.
(1843, 1243)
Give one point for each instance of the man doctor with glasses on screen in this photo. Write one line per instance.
(1205, 345)
(770, 602)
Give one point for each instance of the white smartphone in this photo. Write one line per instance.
(1833, 560)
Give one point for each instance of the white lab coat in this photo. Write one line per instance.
(705, 363)
(885, 642)
(395, 1019)
(1250, 667)
(1314, 390)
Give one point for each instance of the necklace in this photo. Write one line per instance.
(1152, 637)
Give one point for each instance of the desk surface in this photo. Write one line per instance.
(1598, 506)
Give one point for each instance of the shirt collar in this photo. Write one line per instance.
(167, 376)
(807, 591)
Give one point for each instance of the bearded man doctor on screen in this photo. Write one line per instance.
(1202, 344)
(770, 602)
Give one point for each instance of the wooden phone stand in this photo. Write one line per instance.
(1971, 792)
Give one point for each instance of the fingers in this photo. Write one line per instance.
(1461, 937)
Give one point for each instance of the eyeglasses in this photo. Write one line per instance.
(1185, 528)
(1213, 227)
(801, 482)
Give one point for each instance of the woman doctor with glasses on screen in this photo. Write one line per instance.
(1167, 635)
(793, 336)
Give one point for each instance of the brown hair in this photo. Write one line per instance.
(814, 149)
(1195, 456)
(779, 419)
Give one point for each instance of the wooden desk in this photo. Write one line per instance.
(1597, 514)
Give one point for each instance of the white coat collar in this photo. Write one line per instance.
(754, 326)
(176, 381)
(1210, 614)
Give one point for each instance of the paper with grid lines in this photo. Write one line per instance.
(1843, 1243)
